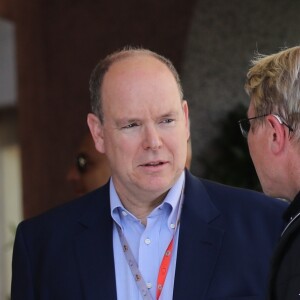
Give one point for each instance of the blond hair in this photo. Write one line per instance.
(273, 83)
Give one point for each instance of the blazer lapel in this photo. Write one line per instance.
(94, 249)
(200, 240)
(278, 255)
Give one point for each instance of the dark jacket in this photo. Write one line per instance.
(226, 239)
(285, 272)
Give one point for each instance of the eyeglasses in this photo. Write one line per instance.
(245, 124)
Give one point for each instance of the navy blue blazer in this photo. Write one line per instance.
(227, 236)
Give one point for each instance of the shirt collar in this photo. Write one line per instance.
(293, 209)
(171, 200)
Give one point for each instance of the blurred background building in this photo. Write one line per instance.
(47, 52)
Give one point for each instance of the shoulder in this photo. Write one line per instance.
(238, 212)
(225, 198)
(65, 216)
(241, 195)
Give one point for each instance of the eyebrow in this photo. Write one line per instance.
(172, 113)
(122, 121)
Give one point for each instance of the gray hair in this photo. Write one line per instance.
(273, 83)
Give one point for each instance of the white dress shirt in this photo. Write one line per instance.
(148, 243)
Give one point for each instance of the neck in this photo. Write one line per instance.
(141, 210)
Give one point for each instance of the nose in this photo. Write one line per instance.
(152, 138)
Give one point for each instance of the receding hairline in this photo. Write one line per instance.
(103, 67)
(144, 62)
(140, 53)
(133, 52)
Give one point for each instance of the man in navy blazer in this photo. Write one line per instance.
(154, 231)
(273, 136)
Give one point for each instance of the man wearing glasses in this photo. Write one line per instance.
(272, 131)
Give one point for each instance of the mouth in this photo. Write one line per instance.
(154, 164)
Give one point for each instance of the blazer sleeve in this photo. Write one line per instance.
(22, 283)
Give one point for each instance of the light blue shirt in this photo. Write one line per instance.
(148, 244)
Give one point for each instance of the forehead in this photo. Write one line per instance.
(139, 67)
(138, 79)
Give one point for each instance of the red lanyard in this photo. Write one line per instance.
(163, 269)
(164, 266)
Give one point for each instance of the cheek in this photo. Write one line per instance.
(85, 180)
(257, 155)
(254, 155)
(178, 148)
(121, 151)
(251, 145)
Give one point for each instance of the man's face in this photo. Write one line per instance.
(91, 169)
(145, 128)
(258, 148)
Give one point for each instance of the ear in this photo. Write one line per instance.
(278, 134)
(186, 117)
(96, 129)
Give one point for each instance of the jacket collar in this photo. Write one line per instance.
(94, 248)
(200, 241)
(293, 209)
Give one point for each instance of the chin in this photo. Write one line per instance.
(157, 185)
